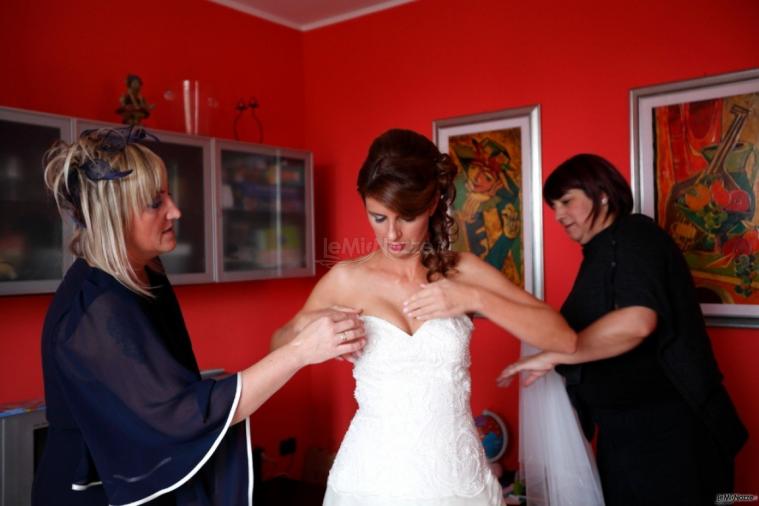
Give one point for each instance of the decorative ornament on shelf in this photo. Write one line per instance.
(134, 108)
(241, 107)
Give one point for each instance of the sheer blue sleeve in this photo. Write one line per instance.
(151, 425)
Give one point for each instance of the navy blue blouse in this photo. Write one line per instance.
(131, 420)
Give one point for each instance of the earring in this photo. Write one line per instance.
(604, 201)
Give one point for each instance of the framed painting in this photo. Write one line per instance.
(498, 190)
(695, 160)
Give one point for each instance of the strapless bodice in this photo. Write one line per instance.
(412, 440)
(399, 371)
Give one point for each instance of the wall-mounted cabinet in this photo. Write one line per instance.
(247, 210)
(33, 252)
(265, 224)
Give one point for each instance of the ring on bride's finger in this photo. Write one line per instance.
(343, 336)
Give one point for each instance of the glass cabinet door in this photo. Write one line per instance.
(188, 165)
(296, 238)
(248, 218)
(264, 223)
(32, 249)
(190, 181)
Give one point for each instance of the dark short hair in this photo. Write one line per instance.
(594, 175)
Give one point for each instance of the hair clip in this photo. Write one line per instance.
(114, 141)
(98, 169)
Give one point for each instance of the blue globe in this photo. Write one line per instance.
(493, 434)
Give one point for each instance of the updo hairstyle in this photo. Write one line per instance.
(407, 173)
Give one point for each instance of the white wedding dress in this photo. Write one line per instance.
(413, 441)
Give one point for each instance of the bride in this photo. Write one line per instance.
(413, 441)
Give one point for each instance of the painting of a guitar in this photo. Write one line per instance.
(706, 163)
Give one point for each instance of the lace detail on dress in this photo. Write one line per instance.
(413, 436)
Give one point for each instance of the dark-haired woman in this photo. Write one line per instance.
(412, 440)
(644, 372)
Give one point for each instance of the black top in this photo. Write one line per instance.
(634, 262)
(613, 277)
(130, 418)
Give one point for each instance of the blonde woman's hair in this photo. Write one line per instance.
(101, 187)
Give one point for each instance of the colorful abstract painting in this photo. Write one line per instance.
(488, 209)
(706, 164)
(498, 206)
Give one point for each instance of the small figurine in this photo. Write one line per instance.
(134, 108)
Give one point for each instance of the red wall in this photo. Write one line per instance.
(71, 58)
(332, 90)
(408, 66)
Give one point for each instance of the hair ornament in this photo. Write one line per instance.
(114, 141)
(98, 169)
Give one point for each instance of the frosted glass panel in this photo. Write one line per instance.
(184, 166)
(249, 211)
(293, 208)
(30, 227)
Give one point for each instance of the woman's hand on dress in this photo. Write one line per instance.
(336, 312)
(334, 333)
(441, 299)
(535, 366)
(351, 357)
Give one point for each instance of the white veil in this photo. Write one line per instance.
(556, 462)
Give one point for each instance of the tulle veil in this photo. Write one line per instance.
(556, 462)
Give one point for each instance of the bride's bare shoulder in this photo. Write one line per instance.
(347, 276)
(356, 266)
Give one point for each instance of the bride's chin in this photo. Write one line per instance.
(404, 253)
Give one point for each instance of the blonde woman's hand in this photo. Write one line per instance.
(331, 335)
(441, 299)
(534, 366)
(336, 312)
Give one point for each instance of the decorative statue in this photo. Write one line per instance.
(134, 108)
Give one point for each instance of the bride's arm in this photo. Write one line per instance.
(323, 301)
(480, 288)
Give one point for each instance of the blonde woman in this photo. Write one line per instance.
(131, 420)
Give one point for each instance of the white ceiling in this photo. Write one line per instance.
(306, 15)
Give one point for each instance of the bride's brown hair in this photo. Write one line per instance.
(405, 172)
